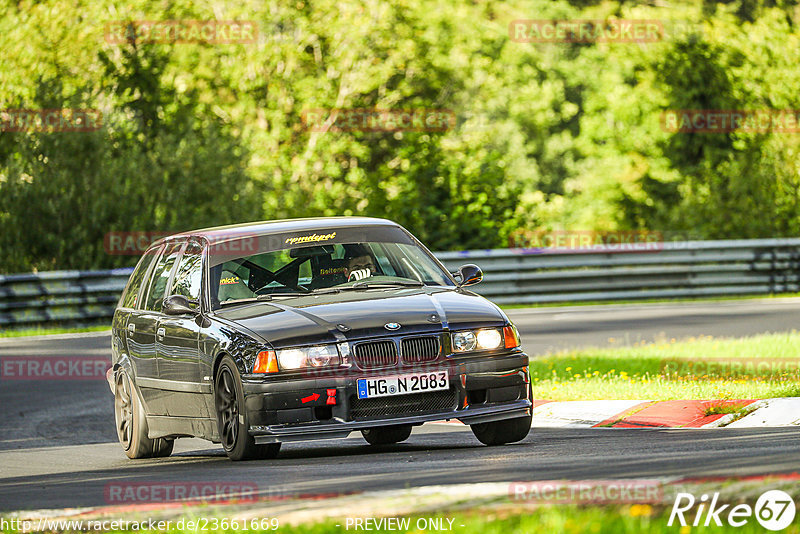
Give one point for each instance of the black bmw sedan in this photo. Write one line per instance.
(254, 335)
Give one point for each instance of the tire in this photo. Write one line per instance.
(131, 423)
(163, 447)
(268, 451)
(502, 432)
(232, 420)
(386, 435)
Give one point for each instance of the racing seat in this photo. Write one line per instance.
(326, 271)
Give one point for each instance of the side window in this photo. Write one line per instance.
(189, 273)
(132, 290)
(160, 277)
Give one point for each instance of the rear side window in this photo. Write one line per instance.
(161, 275)
(132, 290)
(190, 272)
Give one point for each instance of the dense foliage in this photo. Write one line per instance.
(562, 136)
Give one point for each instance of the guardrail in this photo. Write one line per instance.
(524, 276)
(60, 296)
(661, 270)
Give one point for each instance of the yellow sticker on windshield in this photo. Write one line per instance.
(229, 281)
(309, 238)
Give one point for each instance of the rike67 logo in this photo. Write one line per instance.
(774, 510)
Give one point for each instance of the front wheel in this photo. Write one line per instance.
(163, 447)
(386, 435)
(502, 432)
(232, 418)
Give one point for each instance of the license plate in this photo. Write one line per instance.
(387, 386)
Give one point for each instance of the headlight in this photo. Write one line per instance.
(317, 356)
(291, 358)
(322, 356)
(484, 339)
(464, 341)
(489, 339)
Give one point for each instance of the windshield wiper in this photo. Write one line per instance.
(270, 296)
(324, 291)
(382, 285)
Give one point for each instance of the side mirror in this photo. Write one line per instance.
(179, 305)
(470, 274)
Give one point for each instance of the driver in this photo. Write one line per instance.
(358, 266)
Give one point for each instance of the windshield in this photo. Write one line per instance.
(306, 263)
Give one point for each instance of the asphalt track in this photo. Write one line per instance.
(58, 447)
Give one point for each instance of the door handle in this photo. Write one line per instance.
(131, 328)
(160, 334)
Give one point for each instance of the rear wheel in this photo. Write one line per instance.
(232, 418)
(132, 423)
(386, 435)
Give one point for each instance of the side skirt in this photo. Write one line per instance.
(160, 426)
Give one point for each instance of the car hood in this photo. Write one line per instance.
(357, 315)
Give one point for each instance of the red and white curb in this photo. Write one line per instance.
(667, 414)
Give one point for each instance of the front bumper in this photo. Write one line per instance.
(481, 390)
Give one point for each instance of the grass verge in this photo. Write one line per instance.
(754, 367)
(24, 332)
